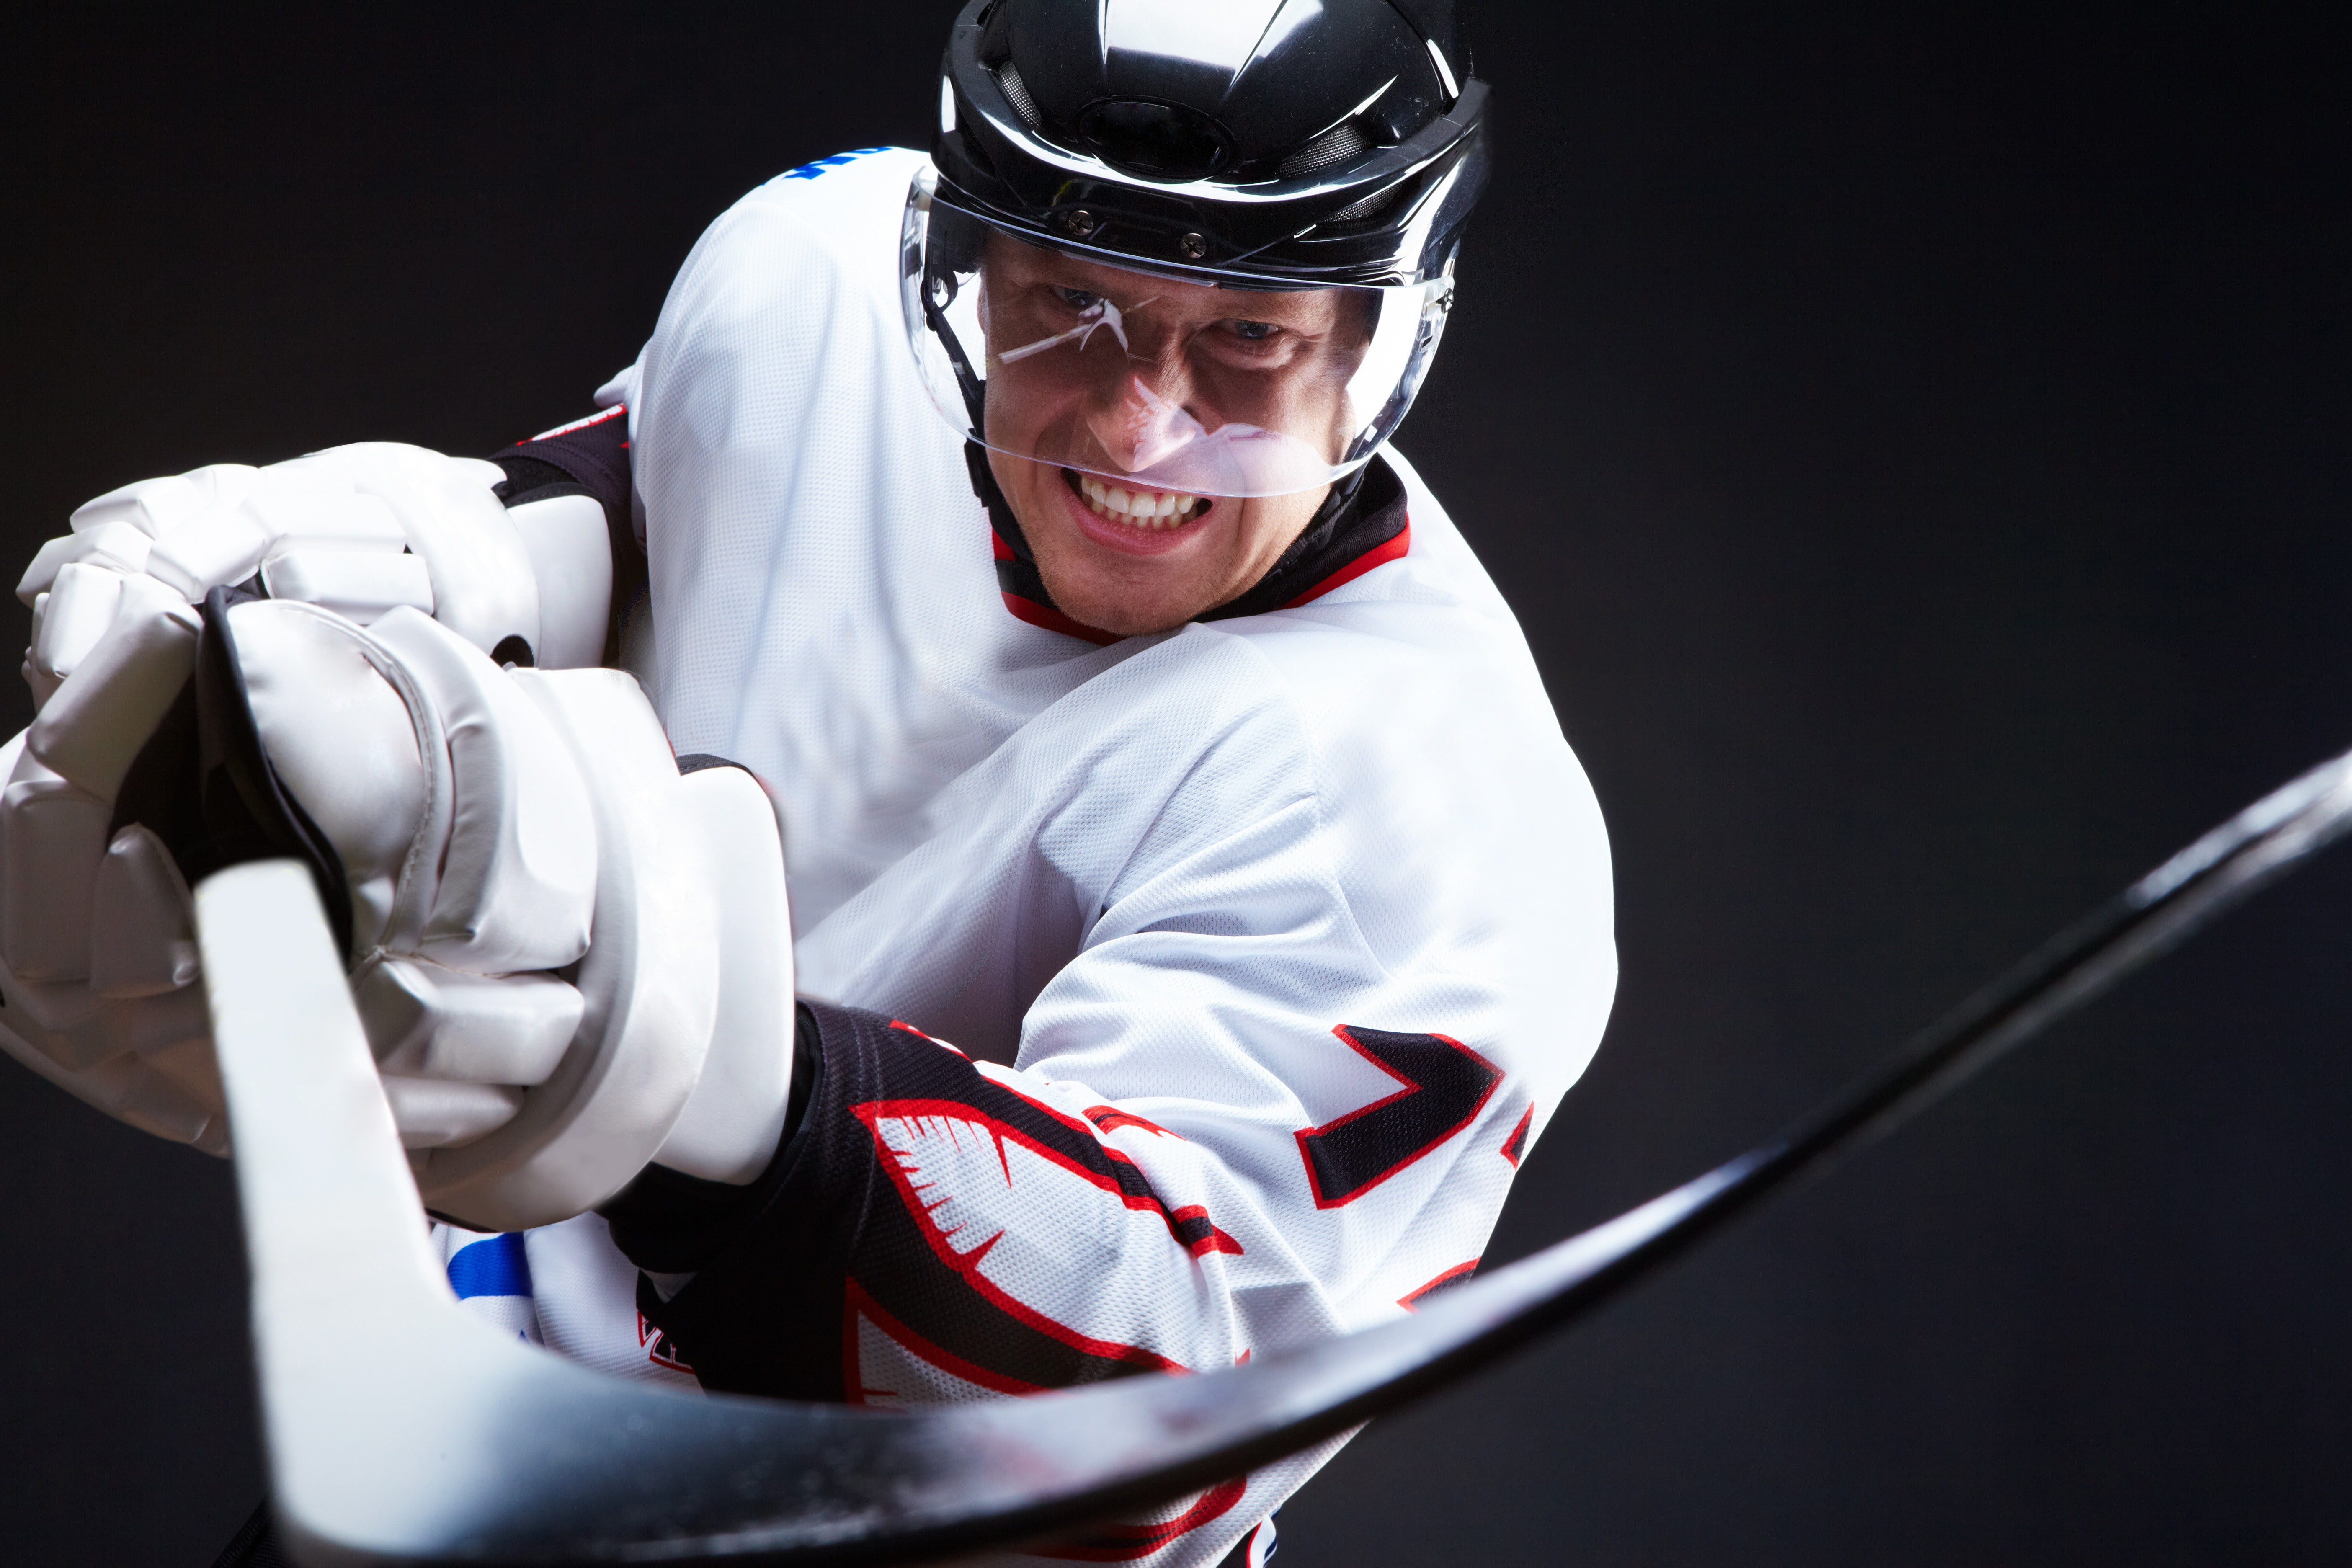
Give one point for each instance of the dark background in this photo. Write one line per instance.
(1917, 449)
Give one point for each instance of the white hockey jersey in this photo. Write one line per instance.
(1273, 941)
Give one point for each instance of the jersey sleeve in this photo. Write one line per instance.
(588, 456)
(1252, 1110)
(935, 1229)
(938, 1229)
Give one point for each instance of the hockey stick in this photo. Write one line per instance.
(402, 1431)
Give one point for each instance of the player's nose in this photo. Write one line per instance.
(1143, 421)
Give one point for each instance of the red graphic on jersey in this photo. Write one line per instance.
(1445, 1085)
(659, 1349)
(1515, 1147)
(1104, 1543)
(1117, 1176)
(1458, 1275)
(1110, 1119)
(1126, 1543)
(1124, 1180)
(1190, 1225)
(858, 1303)
(966, 1263)
(899, 1024)
(617, 411)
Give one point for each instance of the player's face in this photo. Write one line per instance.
(1127, 373)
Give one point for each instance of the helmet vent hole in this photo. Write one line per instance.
(1337, 145)
(1147, 139)
(1371, 207)
(1016, 93)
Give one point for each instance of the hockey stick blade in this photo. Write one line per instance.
(401, 1430)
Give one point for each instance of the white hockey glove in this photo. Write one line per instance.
(571, 960)
(94, 922)
(97, 948)
(472, 840)
(361, 530)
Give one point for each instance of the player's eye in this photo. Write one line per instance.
(1078, 298)
(1254, 331)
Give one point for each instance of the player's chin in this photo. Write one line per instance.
(1139, 522)
(1099, 576)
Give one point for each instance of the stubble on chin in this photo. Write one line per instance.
(1129, 604)
(1137, 596)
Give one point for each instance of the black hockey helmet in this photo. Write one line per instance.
(1307, 141)
(1268, 146)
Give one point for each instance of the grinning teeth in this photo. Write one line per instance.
(1140, 509)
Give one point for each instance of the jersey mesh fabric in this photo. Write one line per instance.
(942, 1230)
(1306, 913)
(588, 1306)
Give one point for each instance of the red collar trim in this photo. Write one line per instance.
(1379, 555)
(1045, 616)
(1052, 620)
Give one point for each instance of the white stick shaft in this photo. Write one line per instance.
(333, 1230)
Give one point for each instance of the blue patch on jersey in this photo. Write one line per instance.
(811, 171)
(493, 1267)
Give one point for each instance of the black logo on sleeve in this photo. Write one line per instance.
(1443, 1085)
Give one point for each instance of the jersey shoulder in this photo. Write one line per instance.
(811, 233)
(1412, 704)
(847, 194)
(1414, 701)
(1430, 621)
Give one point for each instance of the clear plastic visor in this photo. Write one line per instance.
(1156, 385)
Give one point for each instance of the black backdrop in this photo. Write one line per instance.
(1918, 452)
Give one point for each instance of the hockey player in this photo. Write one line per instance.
(1091, 885)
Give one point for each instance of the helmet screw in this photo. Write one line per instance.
(1193, 247)
(1080, 222)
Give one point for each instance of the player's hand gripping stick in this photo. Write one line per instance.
(571, 959)
(101, 815)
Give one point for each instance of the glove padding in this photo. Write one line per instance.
(97, 948)
(473, 829)
(361, 530)
(505, 816)
(97, 958)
